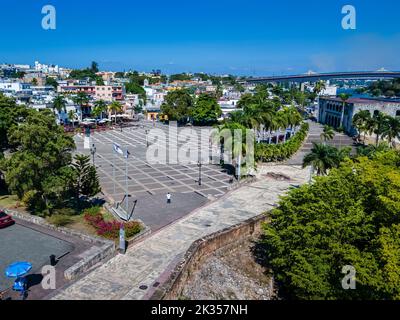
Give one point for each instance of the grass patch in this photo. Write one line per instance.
(10, 202)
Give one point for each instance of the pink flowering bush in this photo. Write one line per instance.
(110, 229)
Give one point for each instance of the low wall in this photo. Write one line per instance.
(172, 287)
(105, 249)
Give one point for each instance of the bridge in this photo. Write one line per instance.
(313, 77)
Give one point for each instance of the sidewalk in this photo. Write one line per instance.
(121, 277)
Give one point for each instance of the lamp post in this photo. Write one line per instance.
(199, 165)
(93, 151)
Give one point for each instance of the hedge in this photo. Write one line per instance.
(279, 152)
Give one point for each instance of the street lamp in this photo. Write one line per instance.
(93, 151)
(199, 165)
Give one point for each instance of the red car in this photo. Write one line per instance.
(5, 220)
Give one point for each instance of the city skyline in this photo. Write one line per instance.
(226, 37)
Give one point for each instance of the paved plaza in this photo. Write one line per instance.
(148, 183)
(20, 243)
(134, 274)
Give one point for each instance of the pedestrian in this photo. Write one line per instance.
(168, 197)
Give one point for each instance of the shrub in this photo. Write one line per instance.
(109, 229)
(132, 228)
(65, 212)
(59, 220)
(93, 210)
(279, 152)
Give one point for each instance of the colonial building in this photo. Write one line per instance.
(331, 110)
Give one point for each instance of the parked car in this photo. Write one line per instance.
(5, 220)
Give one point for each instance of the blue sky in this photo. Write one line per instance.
(252, 37)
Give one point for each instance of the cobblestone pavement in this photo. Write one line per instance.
(148, 182)
(143, 263)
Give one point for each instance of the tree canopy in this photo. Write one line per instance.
(38, 165)
(349, 217)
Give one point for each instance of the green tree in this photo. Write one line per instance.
(86, 182)
(59, 104)
(319, 87)
(391, 130)
(178, 106)
(206, 110)
(100, 106)
(361, 122)
(72, 117)
(327, 134)
(344, 97)
(94, 67)
(324, 157)
(81, 99)
(115, 107)
(349, 217)
(51, 82)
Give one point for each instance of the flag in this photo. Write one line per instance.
(117, 148)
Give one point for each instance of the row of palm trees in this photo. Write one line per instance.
(264, 115)
(81, 99)
(383, 126)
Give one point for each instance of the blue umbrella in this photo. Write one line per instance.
(18, 269)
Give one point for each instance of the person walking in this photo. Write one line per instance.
(168, 197)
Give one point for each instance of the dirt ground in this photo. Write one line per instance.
(231, 273)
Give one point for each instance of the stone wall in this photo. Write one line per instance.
(185, 267)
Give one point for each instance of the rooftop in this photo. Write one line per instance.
(363, 100)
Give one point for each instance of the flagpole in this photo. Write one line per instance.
(126, 181)
(115, 155)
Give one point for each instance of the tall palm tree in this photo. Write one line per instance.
(115, 107)
(81, 99)
(391, 130)
(327, 134)
(378, 124)
(361, 121)
(294, 118)
(59, 104)
(344, 97)
(71, 117)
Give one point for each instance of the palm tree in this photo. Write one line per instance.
(319, 87)
(115, 107)
(391, 130)
(71, 117)
(324, 157)
(344, 97)
(377, 125)
(81, 99)
(294, 118)
(327, 134)
(100, 106)
(59, 104)
(361, 122)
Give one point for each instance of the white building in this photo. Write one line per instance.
(46, 68)
(15, 87)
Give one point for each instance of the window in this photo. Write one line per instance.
(398, 113)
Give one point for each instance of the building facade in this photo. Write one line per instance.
(331, 111)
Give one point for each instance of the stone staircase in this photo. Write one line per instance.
(340, 140)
